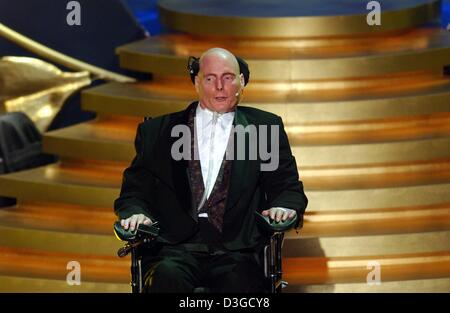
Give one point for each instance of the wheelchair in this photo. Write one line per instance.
(271, 251)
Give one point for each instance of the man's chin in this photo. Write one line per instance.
(223, 107)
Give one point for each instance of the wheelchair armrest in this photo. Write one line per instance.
(141, 232)
(270, 226)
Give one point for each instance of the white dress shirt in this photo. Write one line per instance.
(211, 152)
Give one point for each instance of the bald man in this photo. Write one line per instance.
(205, 200)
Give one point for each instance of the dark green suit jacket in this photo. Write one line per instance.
(157, 185)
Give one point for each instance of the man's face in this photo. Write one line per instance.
(218, 83)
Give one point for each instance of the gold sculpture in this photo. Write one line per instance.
(36, 88)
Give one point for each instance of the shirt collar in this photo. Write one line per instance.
(206, 116)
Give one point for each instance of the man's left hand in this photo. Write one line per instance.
(278, 214)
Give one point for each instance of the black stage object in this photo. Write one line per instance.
(20, 146)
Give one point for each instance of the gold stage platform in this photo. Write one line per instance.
(367, 111)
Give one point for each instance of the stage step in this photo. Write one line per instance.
(64, 228)
(94, 140)
(53, 265)
(49, 270)
(40, 285)
(357, 144)
(300, 102)
(366, 199)
(102, 139)
(401, 267)
(291, 18)
(99, 220)
(94, 183)
(401, 286)
(376, 244)
(16, 235)
(273, 60)
(90, 183)
(371, 154)
(390, 220)
(59, 217)
(46, 232)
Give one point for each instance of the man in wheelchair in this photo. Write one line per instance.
(216, 202)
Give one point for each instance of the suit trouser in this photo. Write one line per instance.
(176, 269)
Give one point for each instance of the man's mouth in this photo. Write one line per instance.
(220, 99)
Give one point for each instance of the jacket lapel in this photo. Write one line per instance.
(239, 168)
(170, 171)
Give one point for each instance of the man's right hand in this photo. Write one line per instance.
(134, 220)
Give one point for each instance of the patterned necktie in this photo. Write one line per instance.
(209, 180)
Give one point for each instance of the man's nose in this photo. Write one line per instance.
(219, 84)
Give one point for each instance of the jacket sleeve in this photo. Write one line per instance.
(282, 186)
(136, 184)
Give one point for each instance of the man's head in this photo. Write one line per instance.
(219, 83)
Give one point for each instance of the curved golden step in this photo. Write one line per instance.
(381, 244)
(412, 286)
(91, 183)
(295, 103)
(290, 18)
(102, 139)
(96, 184)
(105, 140)
(356, 143)
(363, 154)
(399, 267)
(366, 199)
(39, 285)
(59, 227)
(367, 131)
(59, 217)
(53, 265)
(71, 228)
(91, 142)
(69, 218)
(112, 138)
(80, 184)
(23, 284)
(18, 236)
(415, 50)
(376, 175)
(390, 220)
(32, 264)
